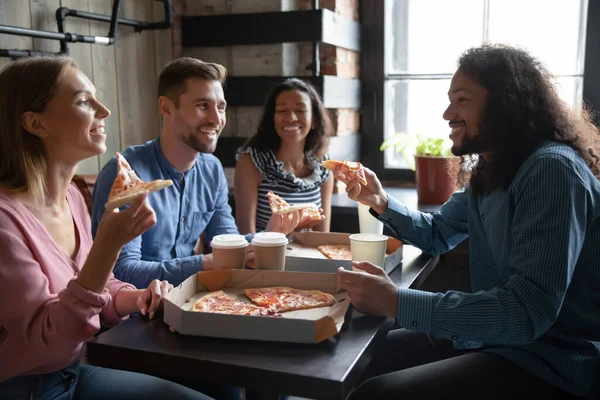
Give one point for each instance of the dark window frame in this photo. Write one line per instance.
(372, 61)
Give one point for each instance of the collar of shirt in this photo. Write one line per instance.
(176, 176)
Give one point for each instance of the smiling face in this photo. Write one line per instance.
(200, 117)
(465, 114)
(293, 116)
(72, 125)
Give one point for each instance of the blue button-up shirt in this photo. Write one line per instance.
(196, 202)
(534, 253)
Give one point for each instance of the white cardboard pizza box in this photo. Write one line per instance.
(302, 253)
(302, 326)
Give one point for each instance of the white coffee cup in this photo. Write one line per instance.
(368, 247)
(368, 223)
(269, 250)
(229, 251)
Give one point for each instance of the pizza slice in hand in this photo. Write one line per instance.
(349, 170)
(280, 206)
(128, 186)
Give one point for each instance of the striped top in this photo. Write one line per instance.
(283, 183)
(534, 256)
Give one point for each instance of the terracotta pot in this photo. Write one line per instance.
(434, 183)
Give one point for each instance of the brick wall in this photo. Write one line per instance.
(284, 59)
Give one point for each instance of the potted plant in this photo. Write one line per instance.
(429, 157)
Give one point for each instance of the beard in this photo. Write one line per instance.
(471, 145)
(200, 144)
(196, 140)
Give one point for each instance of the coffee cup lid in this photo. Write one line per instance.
(228, 240)
(269, 238)
(368, 237)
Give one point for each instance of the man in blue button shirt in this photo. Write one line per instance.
(192, 106)
(531, 211)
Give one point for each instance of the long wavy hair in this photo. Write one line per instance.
(27, 84)
(523, 109)
(318, 137)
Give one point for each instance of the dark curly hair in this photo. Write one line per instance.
(318, 138)
(523, 109)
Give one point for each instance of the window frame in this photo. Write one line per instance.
(372, 62)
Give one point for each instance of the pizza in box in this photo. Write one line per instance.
(269, 301)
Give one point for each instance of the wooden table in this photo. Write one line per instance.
(326, 370)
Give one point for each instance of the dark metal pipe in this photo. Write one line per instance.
(24, 53)
(15, 30)
(64, 38)
(316, 66)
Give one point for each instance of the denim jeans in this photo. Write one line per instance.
(94, 383)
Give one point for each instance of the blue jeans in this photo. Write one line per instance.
(94, 383)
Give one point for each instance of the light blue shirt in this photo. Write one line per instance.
(534, 253)
(196, 202)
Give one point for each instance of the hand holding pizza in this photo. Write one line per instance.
(118, 228)
(284, 223)
(152, 297)
(371, 290)
(371, 195)
(309, 218)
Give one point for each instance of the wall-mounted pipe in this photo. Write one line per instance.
(65, 37)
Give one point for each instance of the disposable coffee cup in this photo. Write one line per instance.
(229, 251)
(269, 250)
(368, 223)
(368, 247)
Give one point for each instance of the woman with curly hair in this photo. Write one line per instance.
(531, 211)
(284, 156)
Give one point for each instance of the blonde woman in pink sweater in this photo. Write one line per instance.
(56, 286)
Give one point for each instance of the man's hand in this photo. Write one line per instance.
(371, 195)
(371, 290)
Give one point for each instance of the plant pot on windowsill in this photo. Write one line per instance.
(434, 183)
(430, 158)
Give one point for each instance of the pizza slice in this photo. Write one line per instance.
(128, 186)
(336, 251)
(283, 298)
(219, 302)
(280, 206)
(349, 169)
(310, 214)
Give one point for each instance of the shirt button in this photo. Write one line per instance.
(454, 337)
(182, 219)
(415, 324)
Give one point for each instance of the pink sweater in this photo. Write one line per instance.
(45, 316)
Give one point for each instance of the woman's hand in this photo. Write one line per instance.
(371, 195)
(152, 297)
(306, 222)
(283, 223)
(117, 228)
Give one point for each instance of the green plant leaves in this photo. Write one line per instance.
(416, 145)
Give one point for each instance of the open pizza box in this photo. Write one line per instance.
(301, 326)
(302, 253)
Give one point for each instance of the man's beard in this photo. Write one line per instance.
(471, 145)
(193, 138)
(195, 143)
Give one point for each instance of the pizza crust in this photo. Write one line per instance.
(137, 191)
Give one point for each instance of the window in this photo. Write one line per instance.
(423, 39)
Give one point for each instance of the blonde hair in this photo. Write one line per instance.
(27, 84)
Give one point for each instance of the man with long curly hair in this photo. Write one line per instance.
(530, 207)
